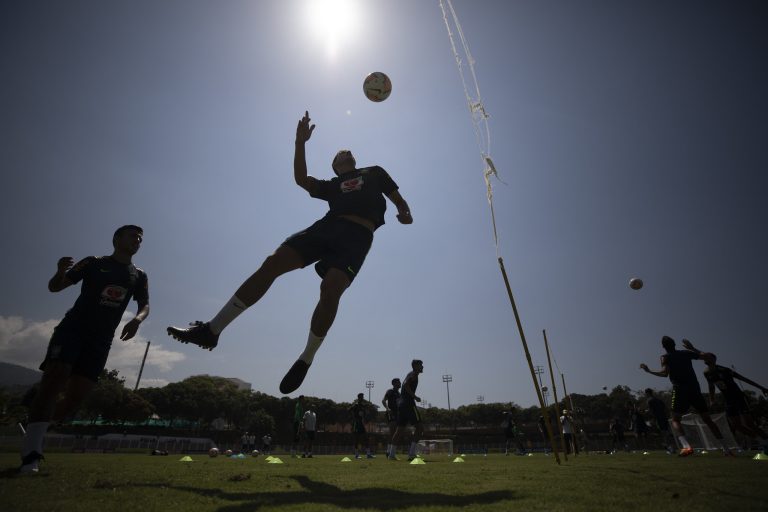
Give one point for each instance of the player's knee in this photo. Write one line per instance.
(333, 286)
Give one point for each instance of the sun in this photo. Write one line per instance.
(334, 23)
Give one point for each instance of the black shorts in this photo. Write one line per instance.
(736, 406)
(358, 427)
(85, 351)
(407, 414)
(391, 416)
(685, 397)
(310, 435)
(333, 243)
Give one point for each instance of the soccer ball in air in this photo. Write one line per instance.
(635, 283)
(377, 86)
(213, 452)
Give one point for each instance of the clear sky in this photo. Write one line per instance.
(630, 136)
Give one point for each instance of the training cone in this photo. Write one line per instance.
(346, 459)
(645, 453)
(530, 455)
(418, 460)
(458, 459)
(268, 458)
(760, 456)
(275, 460)
(186, 458)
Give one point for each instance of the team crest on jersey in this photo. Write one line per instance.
(113, 296)
(352, 185)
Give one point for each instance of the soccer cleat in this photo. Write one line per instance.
(294, 377)
(392, 457)
(685, 452)
(199, 334)
(30, 463)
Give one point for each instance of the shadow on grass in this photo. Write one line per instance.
(320, 493)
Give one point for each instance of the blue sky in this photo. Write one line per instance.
(630, 137)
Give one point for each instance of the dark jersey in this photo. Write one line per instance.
(680, 368)
(390, 397)
(411, 382)
(357, 193)
(657, 408)
(108, 286)
(358, 413)
(722, 377)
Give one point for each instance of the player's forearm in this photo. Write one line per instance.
(56, 283)
(661, 373)
(300, 165)
(142, 313)
(748, 381)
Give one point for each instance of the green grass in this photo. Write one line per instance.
(622, 482)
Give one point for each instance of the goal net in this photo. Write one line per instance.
(435, 447)
(698, 434)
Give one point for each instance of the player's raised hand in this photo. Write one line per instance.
(304, 129)
(64, 264)
(130, 329)
(687, 344)
(644, 366)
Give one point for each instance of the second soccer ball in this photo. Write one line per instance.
(377, 86)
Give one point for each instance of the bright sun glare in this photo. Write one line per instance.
(334, 23)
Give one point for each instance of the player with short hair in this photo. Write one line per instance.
(310, 426)
(736, 406)
(659, 412)
(358, 410)
(266, 444)
(568, 433)
(80, 344)
(686, 393)
(637, 425)
(390, 408)
(616, 429)
(339, 243)
(511, 433)
(298, 418)
(407, 412)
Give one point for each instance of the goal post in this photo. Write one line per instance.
(700, 436)
(435, 447)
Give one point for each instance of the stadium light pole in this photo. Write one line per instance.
(480, 398)
(538, 370)
(369, 385)
(447, 379)
(141, 369)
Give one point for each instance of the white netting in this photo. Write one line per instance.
(700, 436)
(435, 447)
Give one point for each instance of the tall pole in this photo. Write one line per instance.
(544, 410)
(554, 392)
(143, 360)
(369, 385)
(447, 379)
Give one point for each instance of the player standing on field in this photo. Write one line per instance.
(686, 393)
(80, 344)
(407, 413)
(339, 243)
(357, 410)
(659, 412)
(390, 409)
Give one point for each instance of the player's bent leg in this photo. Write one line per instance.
(78, 387)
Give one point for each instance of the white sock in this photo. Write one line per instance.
(313, 343)
(683, 441)
(33, 440)
(229, 312)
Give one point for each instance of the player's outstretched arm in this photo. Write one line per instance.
(303, 133)
(403, 211)
(59, 281)
(750, 382)
(664, 372)
(689, 346)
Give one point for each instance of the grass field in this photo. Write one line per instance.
(622, 482)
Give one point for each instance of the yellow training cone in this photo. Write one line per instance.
(275, 460)
(268, 458)
(418, 461)
(186, 458)
(346, 459)
(760, 456)
(458, 459)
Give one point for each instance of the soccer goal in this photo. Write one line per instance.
(698, 434)
(435, 447)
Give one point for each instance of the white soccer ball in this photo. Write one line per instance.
(213, 452)
(255, 453)
(377, 86)
(228, 453)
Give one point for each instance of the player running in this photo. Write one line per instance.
(390, 408)
(79, 346)
(686, 393)
(736, 407)
(407, 413)
(339, 243)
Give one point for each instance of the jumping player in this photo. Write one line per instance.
(407, 413)
(390, 408)
(736, 407)
(339, 243)
(686, 393)
(80, 344)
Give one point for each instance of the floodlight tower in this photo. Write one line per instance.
(480, 398)
(369, 385)
(538, 370)
(447, 379)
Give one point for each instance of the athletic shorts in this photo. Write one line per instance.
(685, 397)
(640, 428)
(310, 435)
(407, 414)
(358, 427)
(391, 416)
(736, 406)
(86, 352)
(333, 243)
